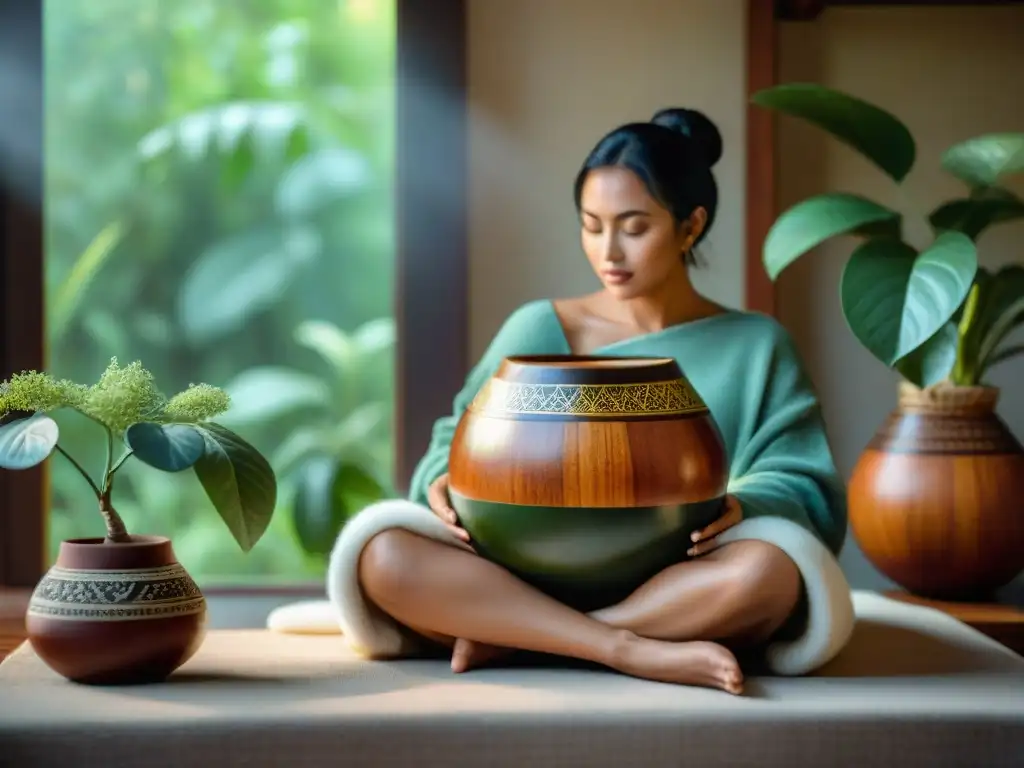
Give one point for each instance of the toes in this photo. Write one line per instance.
(727, 673)
(732, 679)
(461, 653)
(733, 683)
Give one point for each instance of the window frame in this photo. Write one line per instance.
(431, 263)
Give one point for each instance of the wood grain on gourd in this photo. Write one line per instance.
(587, 463)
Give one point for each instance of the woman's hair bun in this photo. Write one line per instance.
(697, 127)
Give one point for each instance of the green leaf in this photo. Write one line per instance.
(298, 145)
(268, 392)
(239, 482)
(341, 350)
(68, 297)
(984, 160)
(1002, 327)
(321, 179)
(375, 336)
(167, 447)
(895, 300)
(238, 164)
(241, 276)
(1001, 310)
(1005, 354)
(933, 361)
(815, 220)
(872, 291)
(939, 282)
(329, 494)
(328, 341)
(300, 444)
(271, 129)
(26, 442)
(876, 134)
(358, 425)
(972, 215)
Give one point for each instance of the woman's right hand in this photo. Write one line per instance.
(440, 504)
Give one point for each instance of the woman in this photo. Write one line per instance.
(403, 577)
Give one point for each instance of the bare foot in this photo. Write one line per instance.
(692, 663)
(468, 654)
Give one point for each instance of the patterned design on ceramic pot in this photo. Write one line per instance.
(586, 475)
(128, 595)
(116, 613)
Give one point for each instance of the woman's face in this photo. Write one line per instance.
(632, 242)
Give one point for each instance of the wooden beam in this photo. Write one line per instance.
(922, 3)
(799, 10)
(432, 260)
(762, 42)
(22, 494)
(809, 10)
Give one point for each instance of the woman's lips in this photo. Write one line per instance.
(617, 276)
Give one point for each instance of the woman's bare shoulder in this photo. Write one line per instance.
(578, 307)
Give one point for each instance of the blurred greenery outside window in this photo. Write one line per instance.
(219, 206)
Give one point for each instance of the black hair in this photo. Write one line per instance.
(672, 155)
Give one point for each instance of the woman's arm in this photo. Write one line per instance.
(527, 330)
(784, 466)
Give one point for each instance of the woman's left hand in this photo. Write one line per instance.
(706, 539)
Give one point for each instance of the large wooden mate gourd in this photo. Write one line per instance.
(585, 476)
(937, 499)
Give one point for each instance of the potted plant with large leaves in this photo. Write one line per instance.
(121, 608)
(936, 501)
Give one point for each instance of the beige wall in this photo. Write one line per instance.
(546, 79)
(949, 73)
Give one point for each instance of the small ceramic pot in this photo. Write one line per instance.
(110, 614)
(585, 476)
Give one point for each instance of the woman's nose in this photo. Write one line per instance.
(611, 252)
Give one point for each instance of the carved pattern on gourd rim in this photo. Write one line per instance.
(122, 595)
(646, 399)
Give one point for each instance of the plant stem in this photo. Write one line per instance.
(116, 532)
(119, 462)
(81, 471)
(965, 369)
(109, 464)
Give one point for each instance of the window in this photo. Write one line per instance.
(239, 194)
